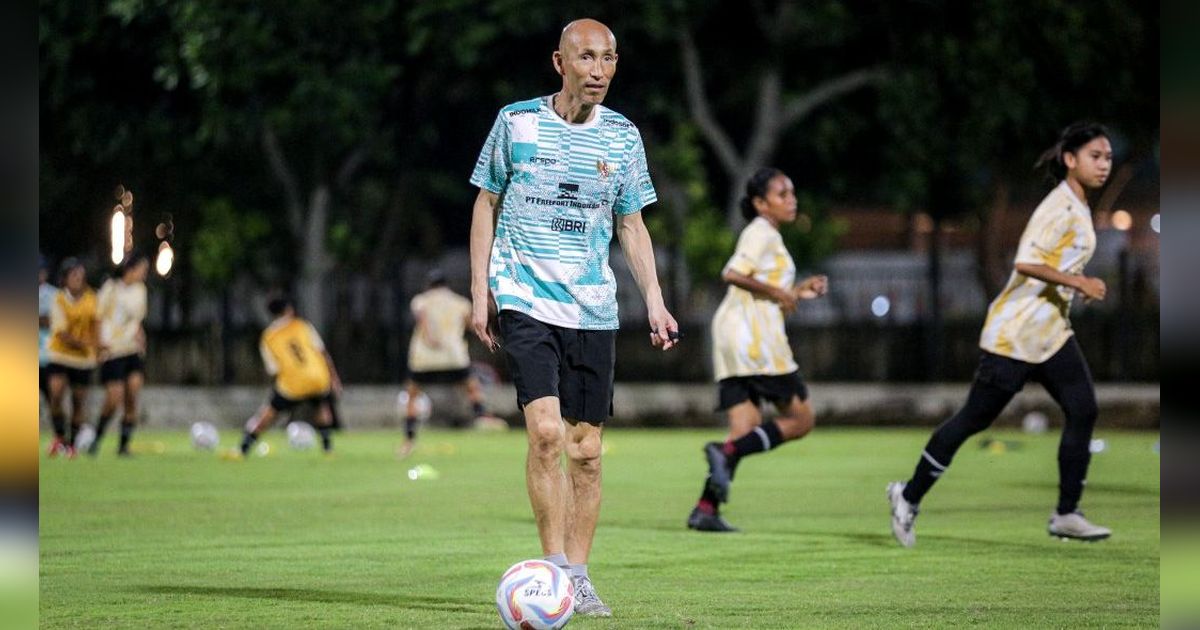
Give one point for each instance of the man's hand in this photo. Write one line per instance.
(812, 287)
(785, 299)
(482, 323)
(664, 331)
(1092, 288)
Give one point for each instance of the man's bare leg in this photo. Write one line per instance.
(544, 477)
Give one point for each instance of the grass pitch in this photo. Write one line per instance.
(183, 539)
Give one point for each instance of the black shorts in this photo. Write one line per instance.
(435, 377)
(77, 377)
(281, 403)
(121, 368)
(778, 389)
(577, 366)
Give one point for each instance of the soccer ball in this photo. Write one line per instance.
(301, 436)
(535, 595)
(204, 436)
(1035, 422)
(424, 405)
(85, 438)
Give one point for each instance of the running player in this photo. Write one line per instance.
(74, 343)
(556, 176)
(752, 359)
(438, 351)
(1027, 336)
(295, 356)
(122, 307)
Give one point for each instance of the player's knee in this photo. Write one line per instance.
(546, 438)
(587, 452)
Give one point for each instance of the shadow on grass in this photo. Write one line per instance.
(1093, 488)
(438, 604)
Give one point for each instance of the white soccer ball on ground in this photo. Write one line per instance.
(424, 405)
(301, 435)
(535, 595)
(204, 436)
(1035, 422)
(85, 438)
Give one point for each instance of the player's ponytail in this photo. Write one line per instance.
(756, 186)
(1070, 140)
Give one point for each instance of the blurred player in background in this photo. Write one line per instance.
(122, 308)
(557, 176)
(437, 352)
(74, 344)
(1027, 336)
(46, 294)
(752, 359)
(295, 356)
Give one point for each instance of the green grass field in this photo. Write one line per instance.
(183, 539)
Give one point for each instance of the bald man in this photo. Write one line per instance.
(569, 171)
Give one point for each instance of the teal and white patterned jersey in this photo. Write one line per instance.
(559, 185)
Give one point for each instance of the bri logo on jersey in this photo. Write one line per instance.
(568, 225)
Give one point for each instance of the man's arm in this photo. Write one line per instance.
(483, 231)
(639, 253)
(1092, 288)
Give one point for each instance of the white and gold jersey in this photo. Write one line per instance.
(122, 308)
(748, 332)
(438, 341)
(1029, 321)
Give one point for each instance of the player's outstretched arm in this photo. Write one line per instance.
(639, 253)
(483, 231)
(1092, 288)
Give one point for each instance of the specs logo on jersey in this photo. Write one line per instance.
(542, 160)
(568, 225)
(602, 168)
(568, 191)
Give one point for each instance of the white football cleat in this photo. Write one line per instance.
(1076, 527)
(904, 514)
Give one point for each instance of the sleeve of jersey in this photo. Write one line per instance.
(1046, 243)
(58, 317)
(637, 191)
(316, 338)
(494, 167)
(749, 251)
(104, 308)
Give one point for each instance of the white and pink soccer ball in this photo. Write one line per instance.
(535, 595)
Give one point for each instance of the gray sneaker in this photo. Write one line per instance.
(904, 514)
(1075, 526)
(587, 602)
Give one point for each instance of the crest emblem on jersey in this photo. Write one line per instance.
(602, 168)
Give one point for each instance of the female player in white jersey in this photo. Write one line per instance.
(122, 308)
(752, 358)
(1027, 337)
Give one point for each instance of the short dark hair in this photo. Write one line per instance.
(756, 186)
(435, 278)
(132, 260)
(279, 303)
(1070, 139)
(65, 267)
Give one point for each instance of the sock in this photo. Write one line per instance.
(73, 434)
(248, 440)
(1072, 473)
(707, 502)
(579, 571)
(326, 438)
(763, 438)
(410, 427)
(102, 425)
(929, 468)
(477, 409)
(559, 560)
(59, 422)
(126, 433)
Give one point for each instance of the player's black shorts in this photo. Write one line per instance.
(1011, 374)
(434, 377)
(77, 377)
(120, 368)
(281, 403)
(577, 366)
(778, 388)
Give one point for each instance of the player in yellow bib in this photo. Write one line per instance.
(72, 350)
(752, 359)
(294, 354)
(1027, 337)
(437, 352)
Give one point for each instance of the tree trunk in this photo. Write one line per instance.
(991, 272)
(314, 260)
